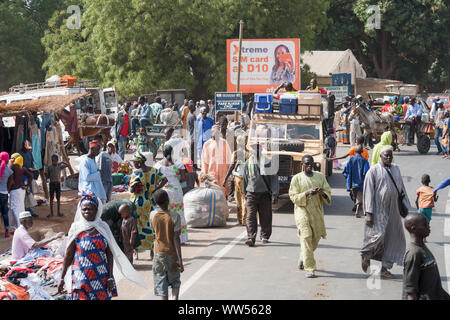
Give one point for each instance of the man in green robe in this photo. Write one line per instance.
(308, 191)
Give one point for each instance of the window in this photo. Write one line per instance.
(304, 132)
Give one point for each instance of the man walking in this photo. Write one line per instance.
(203, 127)
(261, 187)
(89, 176)
(308, 191)
(384, 238)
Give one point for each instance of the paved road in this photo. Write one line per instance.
(229, 270)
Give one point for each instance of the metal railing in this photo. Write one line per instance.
(22, 88)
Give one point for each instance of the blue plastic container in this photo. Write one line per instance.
(263, 102)
(288, 104)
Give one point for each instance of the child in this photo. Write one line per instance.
(128, 231)
(54, 173)
(143, 141)
(168, 263)
(421, 279)
(352, 151)
(355, 171)
(425, 198)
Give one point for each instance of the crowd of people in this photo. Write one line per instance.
(407, 110)
(97, 256)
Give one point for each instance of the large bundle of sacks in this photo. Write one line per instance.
(206, 206)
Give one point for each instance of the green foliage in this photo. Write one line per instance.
(143, 45)
(22, 24)
(412, 44)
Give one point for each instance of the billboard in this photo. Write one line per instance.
(340, 92)
(265, 64)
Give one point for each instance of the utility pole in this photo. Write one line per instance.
(238, 87)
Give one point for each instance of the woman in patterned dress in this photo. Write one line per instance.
(88, 270)
(144, 182)
(446, 135)
(175, 176)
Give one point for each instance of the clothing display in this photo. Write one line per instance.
(33, 277)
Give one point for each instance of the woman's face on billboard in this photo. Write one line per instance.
(280, 51)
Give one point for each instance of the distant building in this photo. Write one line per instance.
(326, 63)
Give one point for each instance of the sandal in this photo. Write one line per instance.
(386, 274)
(365, 263)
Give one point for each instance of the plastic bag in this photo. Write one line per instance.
(205, 207)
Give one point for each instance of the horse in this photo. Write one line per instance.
(375, 123)
(91, 120)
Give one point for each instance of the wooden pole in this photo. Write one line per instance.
(238, 87)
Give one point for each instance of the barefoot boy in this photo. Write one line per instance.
(128, 231)
(54, 172)
(168, 263)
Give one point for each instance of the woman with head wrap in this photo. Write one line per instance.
(386, 140)
(17, 186)
(5, 173)
(173, 187)
(144, 182)
(93, 261)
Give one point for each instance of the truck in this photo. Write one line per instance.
(293, 136)
(100, 100)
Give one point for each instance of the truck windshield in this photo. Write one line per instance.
(302, 131)
(277, 131)
(110, 99)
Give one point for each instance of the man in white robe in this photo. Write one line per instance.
(384, 237)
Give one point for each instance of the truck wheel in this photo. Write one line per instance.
(423, 144)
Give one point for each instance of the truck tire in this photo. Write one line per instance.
(288, 146)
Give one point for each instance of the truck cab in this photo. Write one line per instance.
(99, 101)
(293, 136)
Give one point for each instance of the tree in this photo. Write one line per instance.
(143, 45)
(411, 44)
(21, 28)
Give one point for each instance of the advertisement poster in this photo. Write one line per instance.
(265, 64)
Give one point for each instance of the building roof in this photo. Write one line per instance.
(322, 63)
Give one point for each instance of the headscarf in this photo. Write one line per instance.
(139, 157)
(4, 158)
(89, 197)
(386, 140)
(122, 267)
(17, 159)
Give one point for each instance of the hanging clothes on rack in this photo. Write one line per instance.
(46, 120)
(18, 134)
(36, 151)
(51, 146)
